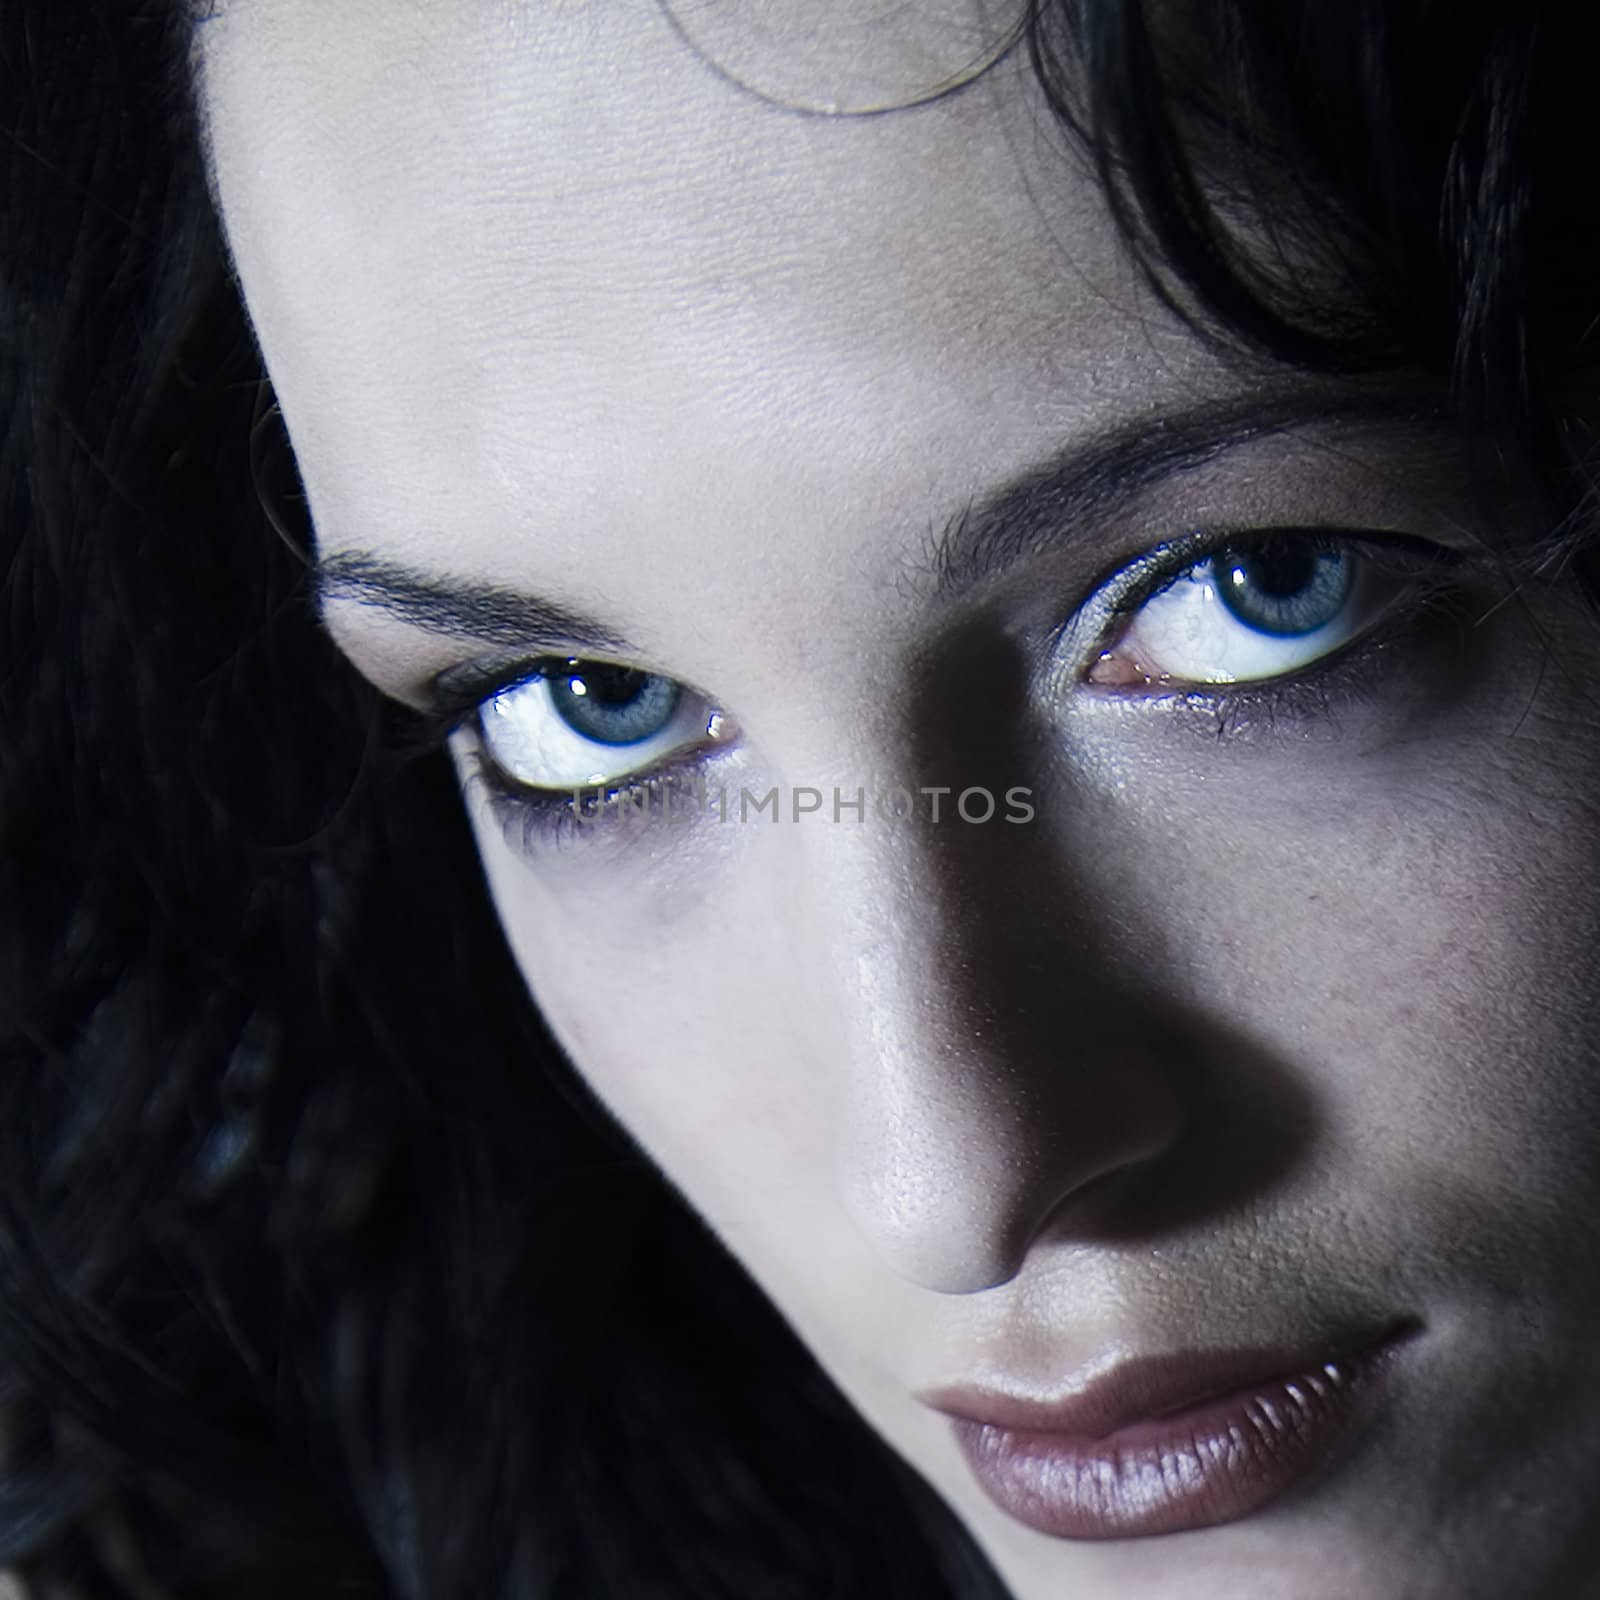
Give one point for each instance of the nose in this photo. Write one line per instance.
(995, 1079)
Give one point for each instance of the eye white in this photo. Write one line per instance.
(1187, 631)
(530, 736)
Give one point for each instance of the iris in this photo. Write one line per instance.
(1284, 587)
(613, 704)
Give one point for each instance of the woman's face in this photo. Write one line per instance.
(1251, 1033)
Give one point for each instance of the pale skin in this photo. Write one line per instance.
(1271, 1017)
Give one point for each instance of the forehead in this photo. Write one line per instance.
(548, 300)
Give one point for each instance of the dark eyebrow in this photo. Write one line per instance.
(1092, 480)
(1083, 486)
(464, 609)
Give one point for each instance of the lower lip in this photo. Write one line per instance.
(1209, 1464)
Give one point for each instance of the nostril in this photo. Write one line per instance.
(1092, 1208)
(954, 1202)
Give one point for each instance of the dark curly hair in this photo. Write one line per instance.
(320, 1270)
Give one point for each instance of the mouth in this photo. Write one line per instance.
(1167, 1444)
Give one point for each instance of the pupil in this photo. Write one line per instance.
(609, 685)
(1278, 570)
(1286, 588)
(612, 704)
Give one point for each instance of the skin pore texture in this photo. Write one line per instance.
(1272, 1024)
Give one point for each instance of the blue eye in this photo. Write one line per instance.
(611, 704)
(1262, 608)
(571, 723)
(1284, 587)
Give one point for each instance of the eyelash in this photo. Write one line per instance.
(1400, 555)
(532, 817)
(526, 815)
(1429, 571)
(1339, 679)
(547, 817)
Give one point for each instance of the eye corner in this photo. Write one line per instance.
(1110, 671)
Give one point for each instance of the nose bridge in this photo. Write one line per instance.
(981, 1087)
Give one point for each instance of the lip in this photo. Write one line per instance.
(1171, 1443)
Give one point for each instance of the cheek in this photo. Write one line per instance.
(1412, 929)
(670, 975)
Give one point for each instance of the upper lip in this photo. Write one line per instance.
(1139, 1388)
